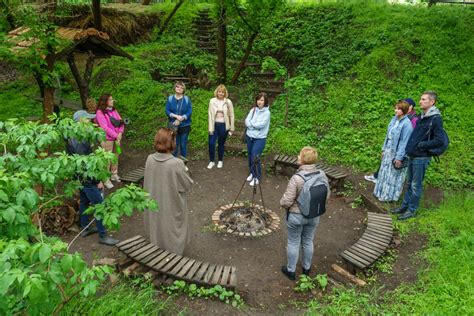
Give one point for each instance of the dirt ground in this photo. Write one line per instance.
(258, 260)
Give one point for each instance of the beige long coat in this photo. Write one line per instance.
(167, 182)
(228, 114)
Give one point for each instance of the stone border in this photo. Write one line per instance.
(274, 224)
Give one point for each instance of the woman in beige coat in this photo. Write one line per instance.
(167, 182)
(221, 125)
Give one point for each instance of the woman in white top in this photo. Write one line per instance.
(221, 124)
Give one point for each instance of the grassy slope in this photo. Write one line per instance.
(360, 60)
(445, 287)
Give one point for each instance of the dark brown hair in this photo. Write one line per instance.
(265, 97)
(102, 105)
(403, 105)
(165, 140)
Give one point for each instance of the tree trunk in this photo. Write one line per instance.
(146, 2)
(244, 59)
(96, 14)
(48, 103)
(82, 82)
(222, 43)
(168, 18)
(40, 83)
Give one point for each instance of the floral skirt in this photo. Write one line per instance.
(390, 181)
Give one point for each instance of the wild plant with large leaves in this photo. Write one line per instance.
(37, 274)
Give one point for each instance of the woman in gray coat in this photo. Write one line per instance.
(167, 182)
(301, 230)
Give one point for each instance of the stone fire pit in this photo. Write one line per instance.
(245, 221)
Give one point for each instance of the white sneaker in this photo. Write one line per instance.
(211, 165)
(371, 178)
(250, 178)
(186, 168)
(115, 177)
(220, 164)
(108, 184)
(254, 182)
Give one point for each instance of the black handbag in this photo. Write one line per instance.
(403, 165)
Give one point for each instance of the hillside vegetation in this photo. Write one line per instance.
(358, 60)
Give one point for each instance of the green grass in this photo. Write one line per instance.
(445, 287)
(136, 297)
(359, 58)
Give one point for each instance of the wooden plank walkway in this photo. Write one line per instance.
(175, 266)
(336, 177)
(373, 243)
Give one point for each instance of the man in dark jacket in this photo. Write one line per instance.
(91, 191)
(427, 135)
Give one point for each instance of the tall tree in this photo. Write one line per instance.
(255, 14)
(222, 42)
(170, 16)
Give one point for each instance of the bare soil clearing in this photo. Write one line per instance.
(258, 260)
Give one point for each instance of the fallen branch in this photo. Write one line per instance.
(348, 275)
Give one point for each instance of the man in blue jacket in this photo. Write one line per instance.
(427, 135)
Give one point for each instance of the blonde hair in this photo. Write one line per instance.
(308, 155)
(221, 87)
(91, 105)
(179, 83)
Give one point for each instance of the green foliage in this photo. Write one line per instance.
(128, 297)
(445, 287)
(38, 275)
(193, 291)
(306, 283)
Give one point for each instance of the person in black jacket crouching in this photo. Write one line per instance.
(427, 135)
(91, 191)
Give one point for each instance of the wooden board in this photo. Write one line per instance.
(225, 275)
(208, 275)
(217, 275)
(141, 250)
(201, 272)
(179, 265)
(186, 268)
(192, 271)
(159, 266)
(122, 243)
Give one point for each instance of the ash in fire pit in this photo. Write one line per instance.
(244, 220)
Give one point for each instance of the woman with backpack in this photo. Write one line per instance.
(392, 172)
(302, 225)
(221, 125)
(109, 119)
(257, 125)
(179, 111)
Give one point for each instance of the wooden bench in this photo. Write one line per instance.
(175, 266)
(137, 175)
(373, 243)
(336, 177)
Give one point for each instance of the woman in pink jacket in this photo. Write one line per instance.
(110, 121)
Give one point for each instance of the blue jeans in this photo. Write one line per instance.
(300, 233)
(220, 135)
(90, 195)
(255, 148)
(181, 144)
(414, 187)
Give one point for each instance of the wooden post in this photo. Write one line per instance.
(82, 82)
(97, 15)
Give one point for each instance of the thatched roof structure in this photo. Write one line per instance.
(77, 41)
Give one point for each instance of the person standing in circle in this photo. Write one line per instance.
(258, 125)
(167, 182)
(108, 118)
(179, 111)
(391, 176)
(221, 125)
